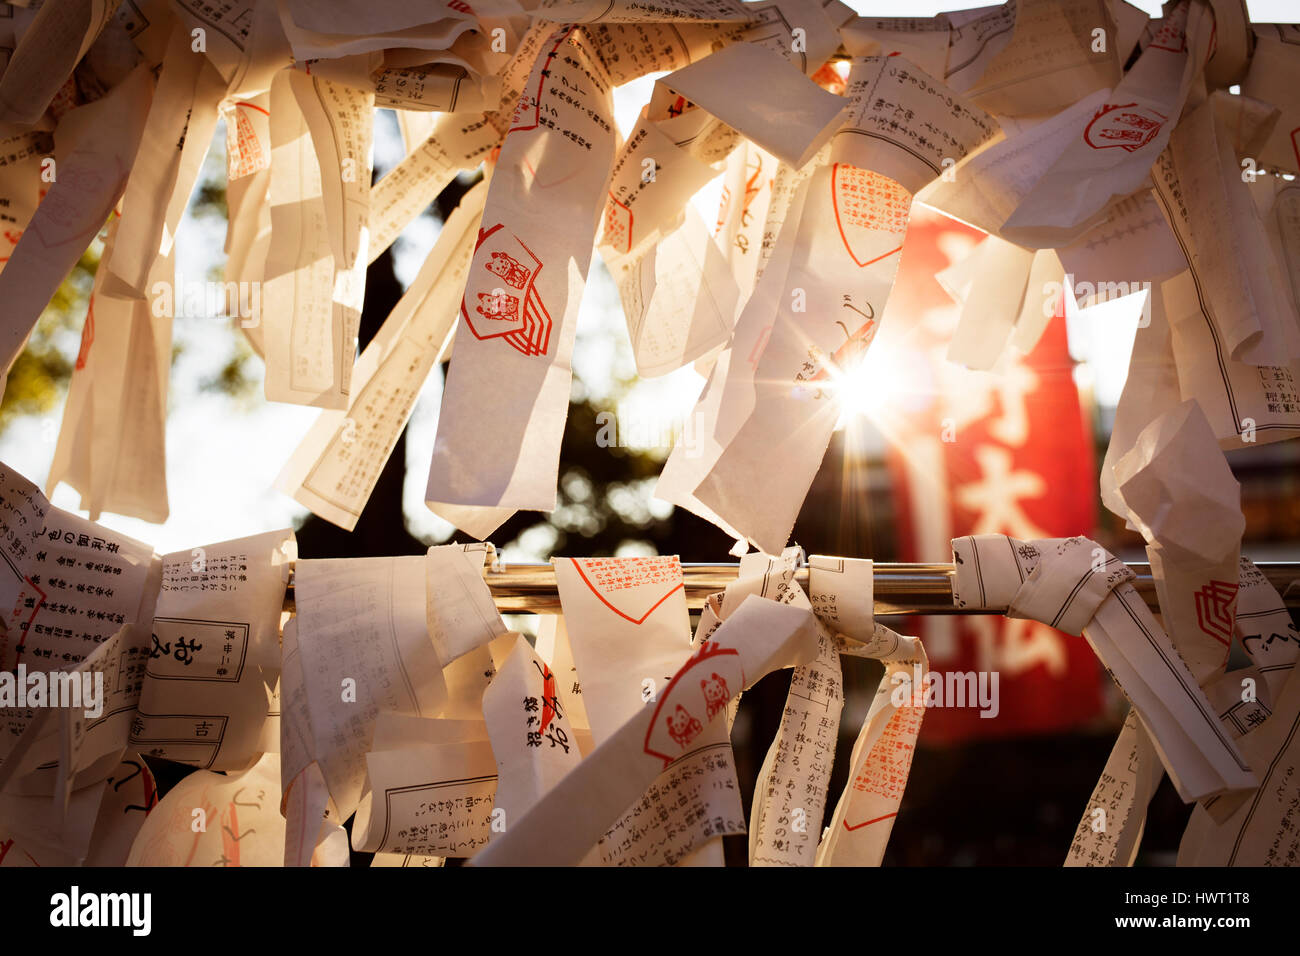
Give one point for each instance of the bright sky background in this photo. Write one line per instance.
(223, 458)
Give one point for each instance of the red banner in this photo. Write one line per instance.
(1005, 451)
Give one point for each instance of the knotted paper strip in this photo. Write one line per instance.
(882, 754)
(1076, 586)
(758, 638)
(628, 628)
(790, 793)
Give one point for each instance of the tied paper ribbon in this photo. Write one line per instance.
(759, 637)
(1075, 585)
(994, 571)
(882, 754)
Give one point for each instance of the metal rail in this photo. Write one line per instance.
(898, 588)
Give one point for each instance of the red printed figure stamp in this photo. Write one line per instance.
(682, 727)
(716, 694)
(504, 296)
(1128, 126)
(703, 685)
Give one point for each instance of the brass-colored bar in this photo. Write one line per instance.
(898, 588)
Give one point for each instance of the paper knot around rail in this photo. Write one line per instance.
(1058, 581)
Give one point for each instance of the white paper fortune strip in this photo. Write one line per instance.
(315, 268)
(430, 789)
(336, 467)
(628, 628)
(1110, 155)
(844, 256)
(1261, 830)
(95, 146)
(214, 663)
(1078, 587)
(882, 754)
(1193, 533)
(758, 638)
(364, 648)
(230, 808)
(510, 374)
(112, 440)
(533, 742)
(790, 793)
(54, 558)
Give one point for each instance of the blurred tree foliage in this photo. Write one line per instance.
(40, 374)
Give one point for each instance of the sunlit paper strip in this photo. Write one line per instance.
(759, 637)
(1078, 587)
(507, 394)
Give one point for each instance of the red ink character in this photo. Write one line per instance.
(1129, 127)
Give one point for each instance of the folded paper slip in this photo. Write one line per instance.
(1077, 586)
(882, 754)
(760, 637)
(628, 630)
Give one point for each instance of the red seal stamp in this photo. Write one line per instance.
(1128, 126)
(1215, 610)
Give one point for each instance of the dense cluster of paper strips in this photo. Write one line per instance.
(1102, 152)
